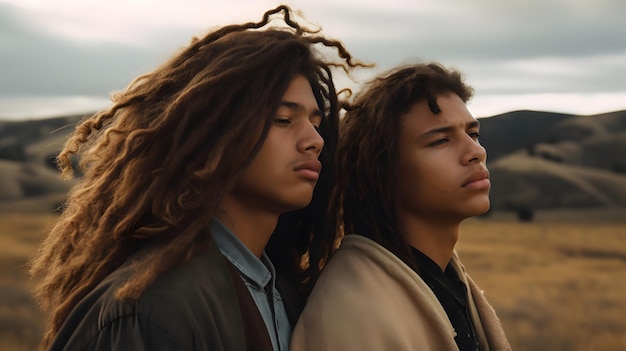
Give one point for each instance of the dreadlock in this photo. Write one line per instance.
(157, 163)
(367, 154)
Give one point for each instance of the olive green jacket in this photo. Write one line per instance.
(201, 305)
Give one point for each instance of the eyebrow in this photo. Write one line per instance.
(447, 129)
(294, 106)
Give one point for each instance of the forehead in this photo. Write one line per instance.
(453, 113)
(299, 91)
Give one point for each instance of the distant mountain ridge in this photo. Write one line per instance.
(537, 159)
(508, 132)
(505, 133)
(540, 160)
(29, 180)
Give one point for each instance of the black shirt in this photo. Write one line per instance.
(452, 294)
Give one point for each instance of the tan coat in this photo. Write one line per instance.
(368, 299)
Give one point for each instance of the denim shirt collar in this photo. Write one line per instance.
(257, 271)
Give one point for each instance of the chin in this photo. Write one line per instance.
(485, 209)
(480, 208)
(297, 204)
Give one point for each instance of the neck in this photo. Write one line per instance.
(252, 226)
(435, 239)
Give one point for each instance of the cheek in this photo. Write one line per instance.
(425, 176)
(409, 176)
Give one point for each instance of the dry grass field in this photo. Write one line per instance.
(21, 322)
(558, 283)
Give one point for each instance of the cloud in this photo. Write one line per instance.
(36, 62)
(530, 47)
(584, 104)
(37, 107)
(585, 74)
(485, 29)
(86, 48)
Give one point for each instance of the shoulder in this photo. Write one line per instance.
(368, 261)
(195, 290)
(194, 302)
(365, 278)
(374, 299)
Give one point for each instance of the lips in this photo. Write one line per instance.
(309, 169)
(313, 165)
(476, 177)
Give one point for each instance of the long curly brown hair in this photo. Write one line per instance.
(157, 163)
(367, 154)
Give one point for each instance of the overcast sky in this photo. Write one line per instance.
(67, 56)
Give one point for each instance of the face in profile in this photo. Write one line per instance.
(284, 172)
(442, 166)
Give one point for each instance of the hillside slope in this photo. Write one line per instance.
(537, 160)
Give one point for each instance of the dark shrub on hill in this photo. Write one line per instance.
(12, 150)
(525, 214)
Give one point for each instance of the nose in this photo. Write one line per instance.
(310, 140)
(474, 153)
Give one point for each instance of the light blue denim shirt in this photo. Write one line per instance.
(258, 275)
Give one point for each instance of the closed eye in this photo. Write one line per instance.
(474, 135)
(282, 120)
(316, 122)
(439, 142)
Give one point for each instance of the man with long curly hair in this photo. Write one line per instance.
(200, 221)
(411, 169)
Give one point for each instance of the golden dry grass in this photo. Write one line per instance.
(21, 322)
(556, 284)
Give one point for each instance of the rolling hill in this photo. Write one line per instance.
(538, 160)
